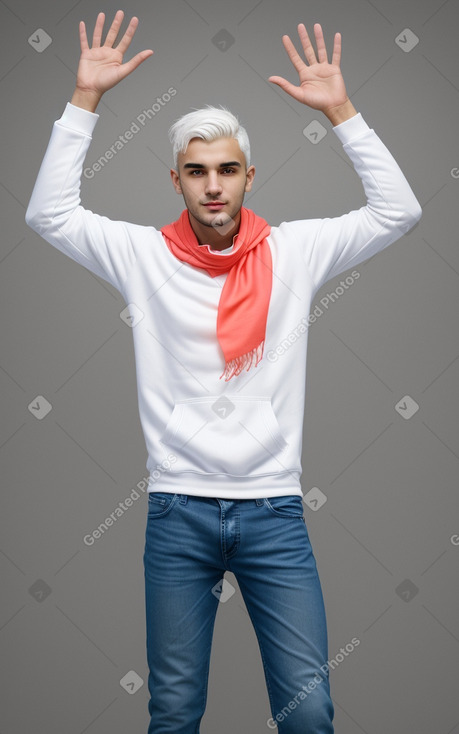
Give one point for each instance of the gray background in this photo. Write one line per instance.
(385, 539)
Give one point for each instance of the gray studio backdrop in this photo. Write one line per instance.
(380, 458)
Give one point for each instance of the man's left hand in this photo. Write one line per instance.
(321, 83)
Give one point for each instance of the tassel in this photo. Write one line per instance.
(235, 366)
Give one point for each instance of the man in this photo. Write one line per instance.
(213, 295)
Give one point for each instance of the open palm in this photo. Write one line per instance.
(101, 67)
(321, 83)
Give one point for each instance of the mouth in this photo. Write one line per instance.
(214, 205)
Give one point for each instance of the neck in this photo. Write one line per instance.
(218, 238)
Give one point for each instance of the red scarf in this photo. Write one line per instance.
(244, 301)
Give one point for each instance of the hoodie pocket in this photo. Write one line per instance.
(235, 435)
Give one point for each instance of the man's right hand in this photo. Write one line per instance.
(101, 67)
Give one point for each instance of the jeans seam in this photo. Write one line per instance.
(165, 511)
(265, 666)
(206, 686)
(275, 512)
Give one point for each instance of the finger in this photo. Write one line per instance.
(114, 28)
(286, 86)
(129, 35)
(294, 56)
(129, 66)
(321, 48)
(83, 37)
(97, 35)
(307, 45)
(336, 59)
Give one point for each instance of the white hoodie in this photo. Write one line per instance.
(242, 438)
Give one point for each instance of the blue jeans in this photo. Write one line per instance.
(190, 542)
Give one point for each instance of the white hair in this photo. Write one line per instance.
(208, 123)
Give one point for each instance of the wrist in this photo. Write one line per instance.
(86, 99)
(340, 113)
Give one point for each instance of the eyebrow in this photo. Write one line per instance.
(222, 165)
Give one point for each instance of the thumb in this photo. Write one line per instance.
(129, 66)
(285, 85)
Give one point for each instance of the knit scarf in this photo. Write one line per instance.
(244, 300)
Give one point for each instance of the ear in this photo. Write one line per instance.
(250, 173)
(176, 181)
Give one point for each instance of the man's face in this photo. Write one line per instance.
(212, 178)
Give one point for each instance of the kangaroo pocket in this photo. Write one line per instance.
(235, 435)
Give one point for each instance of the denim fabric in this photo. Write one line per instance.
(190, 542)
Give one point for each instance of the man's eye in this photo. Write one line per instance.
(195, 171)
(228, 170)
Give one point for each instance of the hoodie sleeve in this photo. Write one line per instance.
(332, 245)
(103, 246)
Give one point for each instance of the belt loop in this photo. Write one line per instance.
(183, 499)
(259, 501)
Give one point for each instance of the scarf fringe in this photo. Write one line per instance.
(235, 366)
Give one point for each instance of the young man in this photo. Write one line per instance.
(213, 295)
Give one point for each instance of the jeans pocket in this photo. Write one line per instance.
(236, 435)
(160, 503)
(290, 505)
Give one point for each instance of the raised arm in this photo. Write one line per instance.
(332, 245)
(101, 67)
(103, 246)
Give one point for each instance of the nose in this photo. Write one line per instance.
(213, 186)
